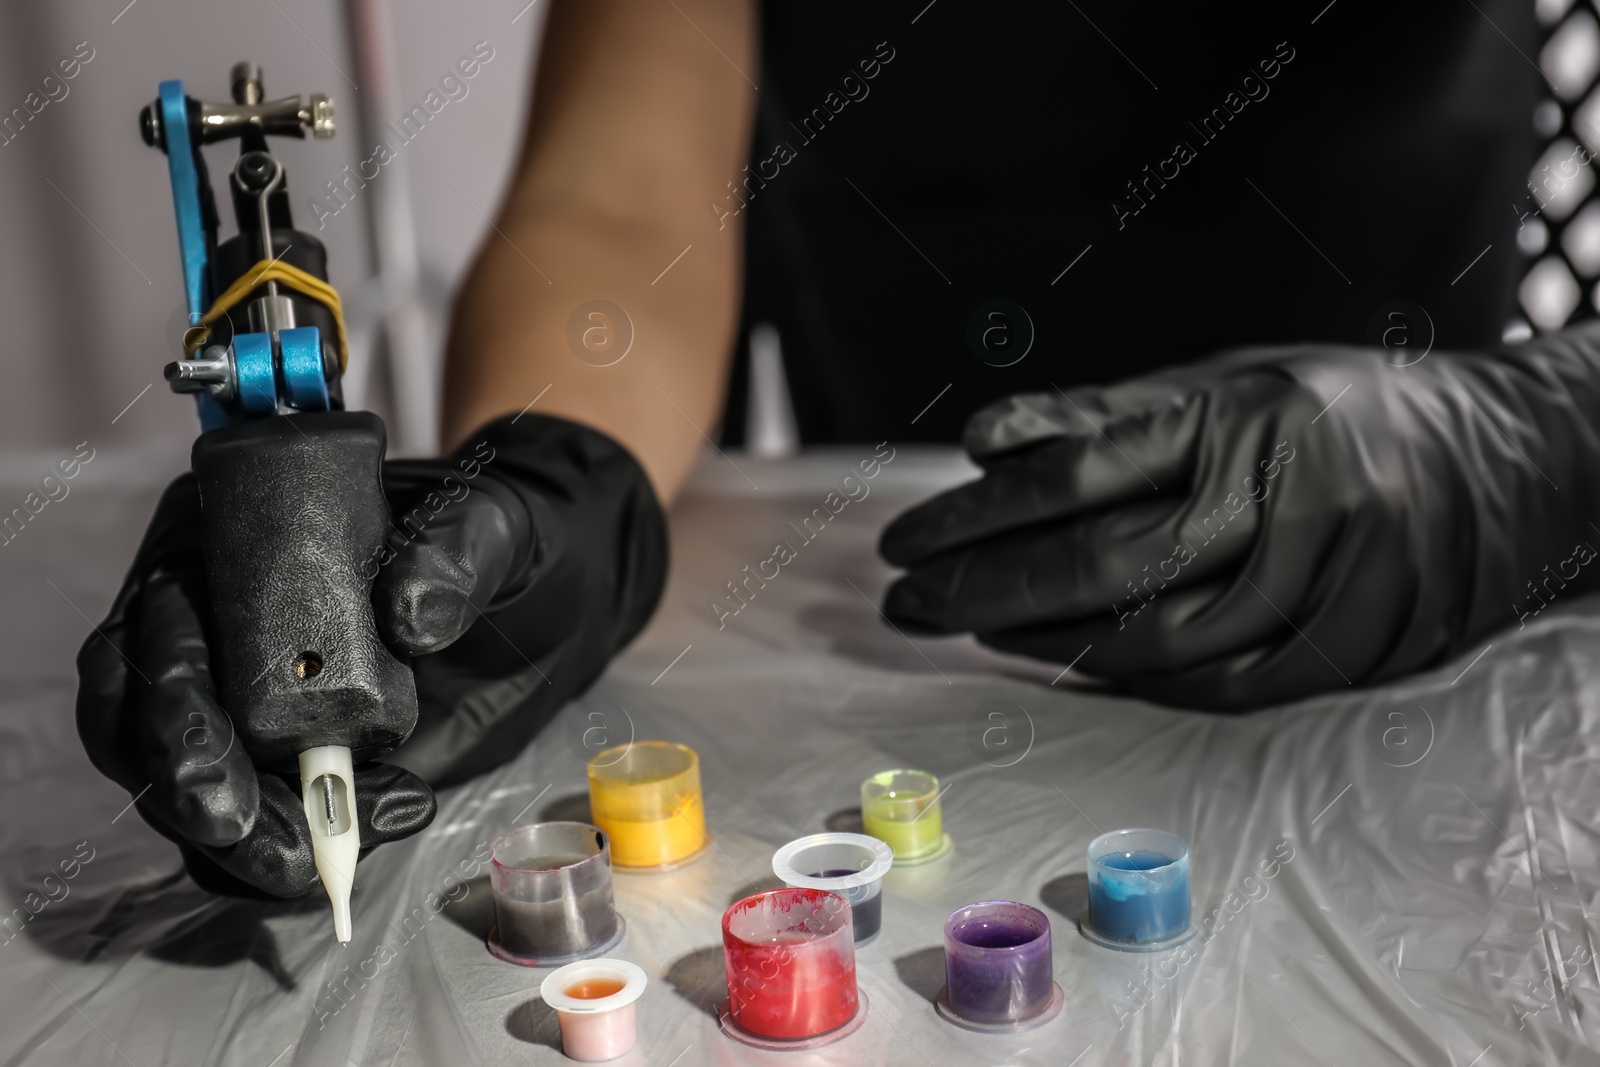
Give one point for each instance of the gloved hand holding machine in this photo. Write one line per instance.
(291, 502)
(336, 634)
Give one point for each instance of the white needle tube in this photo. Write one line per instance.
(328, 788)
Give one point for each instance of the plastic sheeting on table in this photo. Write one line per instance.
(1434, 845)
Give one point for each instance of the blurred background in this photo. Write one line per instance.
(89, 270)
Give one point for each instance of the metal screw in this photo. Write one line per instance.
(247, 83)
(214, 373)
(321, 117)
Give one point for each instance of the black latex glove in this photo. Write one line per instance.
(538, 543)
(1269, 524)
(515, 597)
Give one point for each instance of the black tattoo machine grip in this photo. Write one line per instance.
(293, 518)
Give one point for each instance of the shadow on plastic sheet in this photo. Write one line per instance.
(574, 807)
(845, 821)
(1067, 896)
(700, 979)
(169, 919)
(473, 912)
(922, 971)
(534, 1022)
(860, 635)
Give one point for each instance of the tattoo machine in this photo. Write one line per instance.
(291, 502)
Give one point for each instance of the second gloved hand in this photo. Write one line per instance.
(1269, 524)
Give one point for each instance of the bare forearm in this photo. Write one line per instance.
(510, 339)
(637, 124)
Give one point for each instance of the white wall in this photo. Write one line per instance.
(90, 291)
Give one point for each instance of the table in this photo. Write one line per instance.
(1434, 844)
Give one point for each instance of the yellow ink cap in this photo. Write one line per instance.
(901, 808)
(646, 797)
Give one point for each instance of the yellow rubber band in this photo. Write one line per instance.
(276, 270)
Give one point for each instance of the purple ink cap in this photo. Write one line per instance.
(998, 969)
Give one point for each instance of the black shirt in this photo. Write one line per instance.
(1214, 175)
